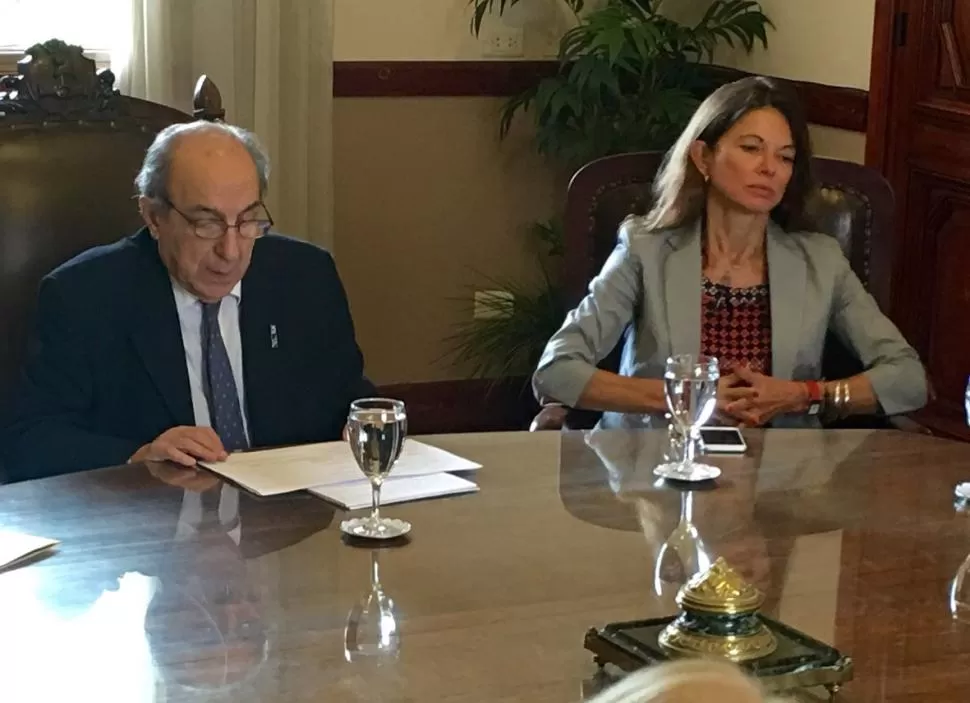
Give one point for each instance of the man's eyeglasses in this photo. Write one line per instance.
(254, 224)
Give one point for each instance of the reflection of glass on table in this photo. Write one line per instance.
(683, 554)
(372, 629)
(960, 593)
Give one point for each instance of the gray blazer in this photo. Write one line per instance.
(650, 289)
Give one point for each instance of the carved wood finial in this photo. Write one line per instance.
(57, 80)
(207, 101)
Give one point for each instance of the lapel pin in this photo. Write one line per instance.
(274, 340)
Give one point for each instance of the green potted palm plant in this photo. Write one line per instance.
(628, 78)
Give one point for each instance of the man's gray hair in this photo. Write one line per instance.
(152, 179)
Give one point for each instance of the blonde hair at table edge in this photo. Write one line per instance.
(687, 681)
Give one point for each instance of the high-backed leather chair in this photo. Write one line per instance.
(70, 147)
(851, 202)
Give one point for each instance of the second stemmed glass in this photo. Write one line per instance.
(376, 430)
(690, 387)
(966, 401)
(959, 587)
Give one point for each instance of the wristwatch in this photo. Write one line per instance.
(814, 397)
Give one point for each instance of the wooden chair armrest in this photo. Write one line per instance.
(908, 424)
(550, 417)
(562, 417)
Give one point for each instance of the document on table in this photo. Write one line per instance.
(16, 548)
(354, 495)
(273, 471)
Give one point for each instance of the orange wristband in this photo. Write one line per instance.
(814, 397)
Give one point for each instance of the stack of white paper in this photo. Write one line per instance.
(357, 494)
(329, 471)
(16, 548)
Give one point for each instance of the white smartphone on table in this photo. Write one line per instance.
(723, 440)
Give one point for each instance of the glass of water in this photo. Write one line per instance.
(966, 401)
(960, 593)
(376, 429)
(690, 387)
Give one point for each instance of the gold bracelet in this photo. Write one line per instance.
(829, 395)
(842, 399)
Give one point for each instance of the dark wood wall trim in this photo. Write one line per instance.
(845, 108)
(828, 105)
(834, 106)
(437, 79)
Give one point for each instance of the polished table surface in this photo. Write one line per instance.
(853, 536)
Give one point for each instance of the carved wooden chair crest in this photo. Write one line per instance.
(70, 147)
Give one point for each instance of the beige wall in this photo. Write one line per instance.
(825, 41)
(822, 41)
(428, 203)
(435, 30)
(376, 30)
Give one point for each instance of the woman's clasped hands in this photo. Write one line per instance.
(746, 398)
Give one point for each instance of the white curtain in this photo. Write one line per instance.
(272, 63)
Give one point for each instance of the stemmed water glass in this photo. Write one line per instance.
(690, 387)
(376, 430)
(966, 401)
(959, 586)
(960, 593)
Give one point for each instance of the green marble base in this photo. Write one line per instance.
(798, 662)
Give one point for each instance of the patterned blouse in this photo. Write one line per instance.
(736, 326)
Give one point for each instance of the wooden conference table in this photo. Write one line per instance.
(853, 535)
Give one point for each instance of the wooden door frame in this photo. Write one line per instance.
(892, 87)
(880, 83)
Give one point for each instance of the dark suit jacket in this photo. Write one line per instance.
(106, 368)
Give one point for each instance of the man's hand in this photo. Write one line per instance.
(183, 445)
(771, 397)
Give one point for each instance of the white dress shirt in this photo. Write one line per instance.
(190, 319)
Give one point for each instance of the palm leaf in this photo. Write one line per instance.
(511, 342)
(484, 7)
(498, 7)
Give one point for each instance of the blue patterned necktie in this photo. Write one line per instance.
(219, 383)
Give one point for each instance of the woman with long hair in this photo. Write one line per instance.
(719, 267)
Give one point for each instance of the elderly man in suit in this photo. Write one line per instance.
(201, 334)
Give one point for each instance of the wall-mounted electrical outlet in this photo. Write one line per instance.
(502, 40)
